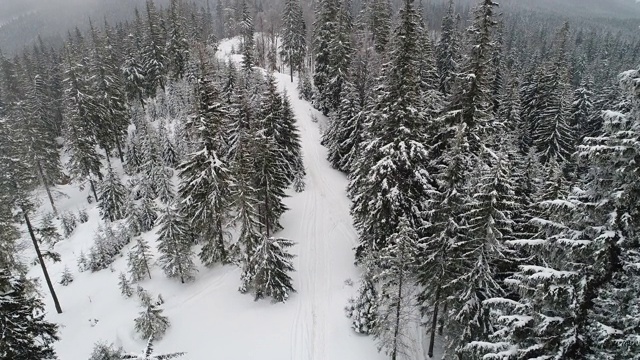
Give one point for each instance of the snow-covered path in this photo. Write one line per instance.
(209, 318)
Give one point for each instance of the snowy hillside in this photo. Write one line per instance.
(209, 318)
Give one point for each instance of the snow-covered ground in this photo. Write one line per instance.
(209, 318)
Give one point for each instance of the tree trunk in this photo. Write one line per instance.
(441, 325)
(46, 187)
(396, 332)
(119, 146)
(290, 67)
(93, 189)
(434, 322)
(106, 151)
(266, 210)
(42, 264)
(146, 264)
(223, 251)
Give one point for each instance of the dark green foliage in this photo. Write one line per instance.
(125, 285)
(66, 278)
(151, 324)
(174, 245)
(111, 200)
(269, 267)
(24, 333)
(294, 29)
(139, 260)
(204, 176)
(363, 310)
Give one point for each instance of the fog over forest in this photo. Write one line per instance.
(21, 21)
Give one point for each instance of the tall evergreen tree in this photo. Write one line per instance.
(447, 51)
(294, 34)
(204, 176)
(154, 58)
(324, 31)
(391, 180)
(397, 307)
(177, 47)
(248, 42)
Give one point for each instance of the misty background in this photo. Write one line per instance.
(21, 21)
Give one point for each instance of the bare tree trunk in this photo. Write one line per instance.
(441, 324)
(290, 67)
(46, 187)
(266, 209)
(223, 251)
(120, 154)
(106, 151)
(396, 332)
(434, 322)
(42, 264)
(146, 264)
(93, 189)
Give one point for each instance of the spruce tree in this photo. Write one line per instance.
(154, 58)
(111, 200)
(25, 334)
(174, 245)
(363, 310)
(380, 24)
(447, 51)
(248, 43)
(148, 215)
(125, 285)
(177, 45)
(151, 323)
(139, 260)
(294, 43)
(204, 176)
(397, 304)
(391, 179)
(84, 161)
(324, 31)
(483, 258)
(270, 265)
(244, 194)
(582, 111)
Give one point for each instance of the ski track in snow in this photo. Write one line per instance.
(209, 318)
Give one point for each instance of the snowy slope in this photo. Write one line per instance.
(210, 318)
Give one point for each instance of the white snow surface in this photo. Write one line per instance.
(209, 318)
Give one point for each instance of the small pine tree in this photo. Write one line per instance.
(125, 285)
(83, 262)
(69, 223)
(48, 231)
(139, 259)
(174, 245)
(148, 214)
(83, 216)
(151, 323)
(111, 200)
(270, 265)
(363, 310)
(67, 277)
(102, 351)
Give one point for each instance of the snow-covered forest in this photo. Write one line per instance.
(335, 179)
